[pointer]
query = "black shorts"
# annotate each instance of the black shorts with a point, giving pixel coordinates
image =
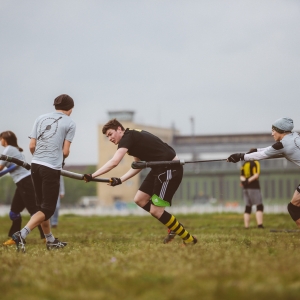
(163, 182)
(24, 197)
(46, 186)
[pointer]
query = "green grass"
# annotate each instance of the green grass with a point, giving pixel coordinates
(124, 258)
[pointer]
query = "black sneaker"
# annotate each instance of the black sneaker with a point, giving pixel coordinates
(191, 243)
(260, 226)
(20, 242)
(56, 244)
(170, 236)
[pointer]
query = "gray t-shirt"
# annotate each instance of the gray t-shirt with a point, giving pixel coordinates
(289, 147)
(20, 172)
(50, 131)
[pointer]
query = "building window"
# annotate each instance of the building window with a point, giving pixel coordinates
(288, 188)
(280, 186)
(235, 190)
(196, 188)
(205, 187)
(273, 191)
(213, 194)
(266, 188)
(188, 192)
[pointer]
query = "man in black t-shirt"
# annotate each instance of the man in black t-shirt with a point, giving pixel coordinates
(159, 186)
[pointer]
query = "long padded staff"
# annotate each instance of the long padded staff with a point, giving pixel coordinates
(80, 176)
(62, 172)
(150, 164)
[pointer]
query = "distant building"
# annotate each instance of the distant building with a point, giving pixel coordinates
(220, 180)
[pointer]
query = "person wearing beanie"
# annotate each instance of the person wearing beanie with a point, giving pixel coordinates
(287, 144)
(50, 141)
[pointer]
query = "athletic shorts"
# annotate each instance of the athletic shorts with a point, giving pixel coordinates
(162, 182)
(252, 197)
(24, 197)
(46, 186)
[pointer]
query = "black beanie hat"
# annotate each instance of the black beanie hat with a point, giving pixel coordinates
(63, 102)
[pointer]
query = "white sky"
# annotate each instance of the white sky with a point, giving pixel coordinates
(232, 65)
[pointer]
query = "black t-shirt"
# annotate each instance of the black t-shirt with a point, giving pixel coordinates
(146, 146)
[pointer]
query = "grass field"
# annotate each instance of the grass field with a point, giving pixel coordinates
(124, 258)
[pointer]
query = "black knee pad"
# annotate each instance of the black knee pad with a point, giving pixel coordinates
(48, 213)
(260, 207)
(248, 209)
(294, 211)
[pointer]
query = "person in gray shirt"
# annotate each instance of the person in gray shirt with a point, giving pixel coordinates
(50, 142)
(24, 196)
(288, 145)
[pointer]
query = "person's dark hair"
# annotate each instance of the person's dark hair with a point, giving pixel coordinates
(278, 130)
(63, 102)
(112, 124)
(10, 138)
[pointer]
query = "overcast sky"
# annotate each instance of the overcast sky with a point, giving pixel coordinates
(232, 65)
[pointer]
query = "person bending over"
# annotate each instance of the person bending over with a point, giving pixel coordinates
(159, 186)
(287, 144)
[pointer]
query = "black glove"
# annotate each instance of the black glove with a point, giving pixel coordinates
(236, 157)
(115, 181)
(87, 177)
(245, 183)
(252, 150)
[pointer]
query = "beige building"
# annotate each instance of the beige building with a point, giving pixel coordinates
(108, 195)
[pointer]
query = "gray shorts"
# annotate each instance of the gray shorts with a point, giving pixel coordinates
(252, 197)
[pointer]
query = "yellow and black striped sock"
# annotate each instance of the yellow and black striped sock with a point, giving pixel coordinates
(171, 222)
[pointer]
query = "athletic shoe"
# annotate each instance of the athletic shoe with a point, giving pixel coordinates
(56, 244)
(9, 242)
(20, 242)
(260, 226)
(191, 243)
(169, 238)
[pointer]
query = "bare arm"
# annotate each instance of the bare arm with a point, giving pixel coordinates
(66, 148)
(250, 179)
(131, 172)
(32, 145)
(112, 163)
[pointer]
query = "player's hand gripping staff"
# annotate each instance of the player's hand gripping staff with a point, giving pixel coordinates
(236, 157)
(113, 181)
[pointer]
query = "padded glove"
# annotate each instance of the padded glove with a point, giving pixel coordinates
(87, 177)
(115, 181)
(236, 157)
